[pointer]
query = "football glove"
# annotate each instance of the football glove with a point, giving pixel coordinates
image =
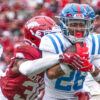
(82, 51)
(71, 59)
(86, 66)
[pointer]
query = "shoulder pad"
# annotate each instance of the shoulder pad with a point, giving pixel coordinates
(52, 43)
(27, 52)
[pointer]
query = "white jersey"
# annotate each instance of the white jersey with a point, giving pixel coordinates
(67, 85)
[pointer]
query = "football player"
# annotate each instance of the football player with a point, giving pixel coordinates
(75, 24)
(23, 80)
(20, 82)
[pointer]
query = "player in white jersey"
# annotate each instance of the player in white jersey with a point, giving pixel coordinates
(75, 24)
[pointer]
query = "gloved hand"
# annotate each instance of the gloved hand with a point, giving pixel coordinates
(72, 59)
(82, 50)
(82, 95)
(87, 66)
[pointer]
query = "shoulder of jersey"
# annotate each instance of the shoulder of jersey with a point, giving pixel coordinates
(27, 51)
(1, 50)
(52, 43)
(94, 44)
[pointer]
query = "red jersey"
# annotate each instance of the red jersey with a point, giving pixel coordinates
(16, 86)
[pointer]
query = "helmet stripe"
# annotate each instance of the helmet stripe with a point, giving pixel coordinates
(84, 5)
(78, 8)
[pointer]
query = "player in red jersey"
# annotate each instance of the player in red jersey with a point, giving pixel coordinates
(22, 80)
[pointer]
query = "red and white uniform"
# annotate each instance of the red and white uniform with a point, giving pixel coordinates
(16, 86)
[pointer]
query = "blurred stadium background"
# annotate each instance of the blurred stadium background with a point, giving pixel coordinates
(14, 14)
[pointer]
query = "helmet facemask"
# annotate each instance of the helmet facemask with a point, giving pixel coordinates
(75, 29)
(35, 38)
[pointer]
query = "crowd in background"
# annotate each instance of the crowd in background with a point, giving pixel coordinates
(14, 14)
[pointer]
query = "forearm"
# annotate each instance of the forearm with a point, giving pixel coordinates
(58, 71)
(96, 73)
(55, 72)
(39, 65)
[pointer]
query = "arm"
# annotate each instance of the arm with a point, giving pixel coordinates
(96, 73)
(27, 67)
(57, 70)
(39, 65)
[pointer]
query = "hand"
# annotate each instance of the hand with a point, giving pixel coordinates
(41, 94)
(72, 59)
(77, 62)
(82, 95)
(82, 51)
(86, 66)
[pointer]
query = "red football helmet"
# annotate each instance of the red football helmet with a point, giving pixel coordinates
(37, 27)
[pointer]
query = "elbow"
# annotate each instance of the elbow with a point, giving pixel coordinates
(23, 70)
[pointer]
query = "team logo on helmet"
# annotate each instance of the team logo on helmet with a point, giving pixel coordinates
(32, 25)
(78, 16)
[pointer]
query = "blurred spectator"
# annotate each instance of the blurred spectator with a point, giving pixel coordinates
(45, 11)
(97, 25)
(53, 6)
(64, 2)
(96, 6)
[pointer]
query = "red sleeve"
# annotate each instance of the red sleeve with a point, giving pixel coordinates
(27, 51)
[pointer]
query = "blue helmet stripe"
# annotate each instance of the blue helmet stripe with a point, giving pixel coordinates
(93, 44)
(61, 44)
(54, 43)
(98, 44)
